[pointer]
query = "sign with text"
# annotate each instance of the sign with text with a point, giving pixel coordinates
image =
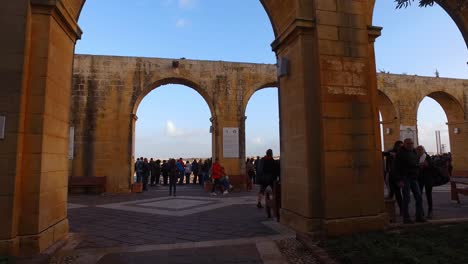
(231, 142)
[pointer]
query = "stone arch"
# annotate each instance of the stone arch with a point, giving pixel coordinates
(386, 107)
(252, 92)
(173, 80)
(451, 105)
(390, 119)
(456, 120)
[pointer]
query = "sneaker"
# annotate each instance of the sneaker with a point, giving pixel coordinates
(259, 205)
(213, 194)
(225, 192)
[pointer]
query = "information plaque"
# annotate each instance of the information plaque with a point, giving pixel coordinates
(231, 142)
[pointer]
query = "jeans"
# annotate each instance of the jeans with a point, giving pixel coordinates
(395, 190)
(145, 181)
(217, 182)
(411, 184)
(201, 178)
(139, 176)
(424, 184)
(187, 178)
(181, 177)
(172, 185)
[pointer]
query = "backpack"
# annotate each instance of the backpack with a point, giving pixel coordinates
(440, 175)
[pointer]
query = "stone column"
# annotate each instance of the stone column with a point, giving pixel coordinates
(232, 165)
(458, 134)
(16, 26)
(330, 158)
(43, 172)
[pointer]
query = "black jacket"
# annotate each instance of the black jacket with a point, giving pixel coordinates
(406, 164)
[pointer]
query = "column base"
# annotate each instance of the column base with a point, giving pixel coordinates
(333, 227)
(35, 244)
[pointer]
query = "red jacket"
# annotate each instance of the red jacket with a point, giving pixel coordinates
(216, 171)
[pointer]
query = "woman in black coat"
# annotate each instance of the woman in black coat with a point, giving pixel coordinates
(425, 177)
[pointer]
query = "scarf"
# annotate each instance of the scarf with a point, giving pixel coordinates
(422, 158)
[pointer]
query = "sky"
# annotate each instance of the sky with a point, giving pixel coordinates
(414, 41)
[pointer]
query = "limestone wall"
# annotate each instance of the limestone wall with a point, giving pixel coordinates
(107, 91)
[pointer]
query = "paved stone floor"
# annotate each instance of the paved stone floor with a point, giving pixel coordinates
(153, 227)
(193, 227)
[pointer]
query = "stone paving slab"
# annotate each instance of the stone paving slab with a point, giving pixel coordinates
(104, 227)
(241, 254)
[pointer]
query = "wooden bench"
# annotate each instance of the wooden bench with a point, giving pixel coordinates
(458, 184)
(86, 182)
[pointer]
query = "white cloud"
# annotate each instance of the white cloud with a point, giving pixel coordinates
(258, 141)
(171, 130)
(187, 4)
(180, 23)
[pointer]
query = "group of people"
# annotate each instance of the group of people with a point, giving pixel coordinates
(150, 171)
(262, 171)
(411, 170)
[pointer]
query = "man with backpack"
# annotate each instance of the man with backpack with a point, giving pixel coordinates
(267, 174)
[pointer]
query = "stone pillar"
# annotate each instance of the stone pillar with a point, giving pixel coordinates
(16, 25)
(232, 165)
(458, 134)
(330, 156)
(42, 174)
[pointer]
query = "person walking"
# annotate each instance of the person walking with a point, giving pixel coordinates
(195, 171)
(165, 171)
(216, 174)
(146, 173)
(173, 173)
(407, 165)
(187, 172)
(390, 170)
(180, 168)
(425, 177)
(268, 172)
(250, 168)
(139, 170)
(152, 172)
(157, 172)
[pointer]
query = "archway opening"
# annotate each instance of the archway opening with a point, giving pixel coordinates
(173, 122)
(432, 127)
(262, 123)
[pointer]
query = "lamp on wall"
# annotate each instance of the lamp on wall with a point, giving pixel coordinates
(388, 131)
(456, 130)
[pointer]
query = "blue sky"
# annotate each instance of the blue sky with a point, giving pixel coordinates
(414, 41)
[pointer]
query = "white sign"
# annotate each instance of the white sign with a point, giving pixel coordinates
(231, 142)
(408, 132)
(71, 143)
(2, 127)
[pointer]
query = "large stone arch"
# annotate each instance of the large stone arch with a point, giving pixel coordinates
(174, 80)
(455, 113)
(390, 120)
